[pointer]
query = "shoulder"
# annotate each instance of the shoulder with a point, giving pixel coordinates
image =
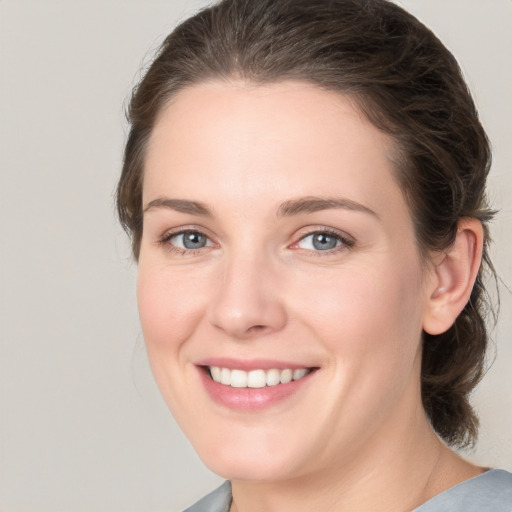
(491, 490)
(217, 501)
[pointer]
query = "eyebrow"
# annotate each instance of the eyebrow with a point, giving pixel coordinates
(289, 208)
(179, 205)
(315, 204)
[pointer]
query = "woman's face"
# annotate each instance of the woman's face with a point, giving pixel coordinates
(278, 246)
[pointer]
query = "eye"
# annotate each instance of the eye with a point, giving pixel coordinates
(322, 241)
(189, 240)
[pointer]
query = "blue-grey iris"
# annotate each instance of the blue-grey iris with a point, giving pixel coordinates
(323, 242)
(194, 240)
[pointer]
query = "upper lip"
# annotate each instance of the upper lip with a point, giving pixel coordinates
(251, 364)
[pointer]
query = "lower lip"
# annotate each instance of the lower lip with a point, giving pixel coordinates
(250, 399)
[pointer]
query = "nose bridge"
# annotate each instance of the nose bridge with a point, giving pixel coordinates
(248, 299)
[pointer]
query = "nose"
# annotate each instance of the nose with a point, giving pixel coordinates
(248, 302)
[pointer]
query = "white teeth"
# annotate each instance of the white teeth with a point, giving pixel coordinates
(225, 376)
(273, 377)
(286, 376)
(255, 378)
(298, 374)
(216, 373)
(238, 379)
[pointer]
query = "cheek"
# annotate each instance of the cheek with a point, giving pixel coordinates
(369, 322)
(368, 316)
(170, 307)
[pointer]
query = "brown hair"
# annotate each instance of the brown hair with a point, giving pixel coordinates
(408, 85)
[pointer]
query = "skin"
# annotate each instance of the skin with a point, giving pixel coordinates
(355, 436)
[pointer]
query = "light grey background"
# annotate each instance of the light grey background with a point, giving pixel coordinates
(82, 426)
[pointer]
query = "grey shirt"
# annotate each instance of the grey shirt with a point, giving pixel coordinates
(488, 492)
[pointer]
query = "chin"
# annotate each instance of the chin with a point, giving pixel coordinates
(251, 460)
(262, 469)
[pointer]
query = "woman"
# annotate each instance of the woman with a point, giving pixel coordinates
(304, 184)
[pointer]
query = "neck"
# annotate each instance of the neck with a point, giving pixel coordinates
(393, 472)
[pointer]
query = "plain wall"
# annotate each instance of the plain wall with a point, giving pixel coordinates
(82, 426)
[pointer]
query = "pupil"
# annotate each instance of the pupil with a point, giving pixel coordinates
(324, 242)
(194, 240)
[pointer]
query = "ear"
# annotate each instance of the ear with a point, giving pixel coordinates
(453, 277)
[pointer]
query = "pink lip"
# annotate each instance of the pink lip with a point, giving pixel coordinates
(248, 365)
(250, 399)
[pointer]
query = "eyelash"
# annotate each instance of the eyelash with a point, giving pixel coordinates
(164, 241)
(345, 242)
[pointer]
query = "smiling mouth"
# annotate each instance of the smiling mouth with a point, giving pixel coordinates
(255, 378)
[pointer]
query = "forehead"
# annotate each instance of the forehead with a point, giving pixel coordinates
(242, 140)
(240, 108)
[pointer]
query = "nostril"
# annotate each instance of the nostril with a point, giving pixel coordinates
(256, 328)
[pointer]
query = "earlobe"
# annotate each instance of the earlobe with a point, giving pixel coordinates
(454, 275)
